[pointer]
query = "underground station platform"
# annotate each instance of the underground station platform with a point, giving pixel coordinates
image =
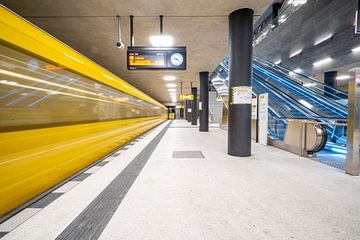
(178, 183)
(164, 119)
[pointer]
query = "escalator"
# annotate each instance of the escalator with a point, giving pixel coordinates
(295, 96)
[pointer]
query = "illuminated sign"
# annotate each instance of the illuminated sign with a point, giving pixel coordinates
(186, 97)
(149, 58)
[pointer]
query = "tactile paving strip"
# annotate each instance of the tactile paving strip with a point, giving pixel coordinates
(52, 196)
(93, 219)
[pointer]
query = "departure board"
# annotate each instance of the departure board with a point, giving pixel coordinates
(149, 58)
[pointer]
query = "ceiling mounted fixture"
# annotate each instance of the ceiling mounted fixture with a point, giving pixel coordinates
(169, 78)
(297, 2)
(278, 62)
(298, 70)
(322, 62)
(119, 43)
(297, 52)
(161, 40)
(355, 50)
(309, 84)
(343, 77)
(172, 90)
(323, 39)
(171, 85)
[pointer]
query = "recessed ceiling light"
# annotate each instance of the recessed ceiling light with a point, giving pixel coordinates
(170, 85)
(172, 90)
(298, 70)
(161, 40)
(357, 49)
(309, 84)
(322, 61)
(278, 62)
(297, 52)
(169, 78)
(323, 39)
(342, 77)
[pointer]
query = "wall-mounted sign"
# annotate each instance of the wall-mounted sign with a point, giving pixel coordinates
(184, 97)
(254, 109)
(150, 58)
(241, 95)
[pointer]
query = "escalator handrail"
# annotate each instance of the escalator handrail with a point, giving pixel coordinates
(299, 74)
(276, 91)
(323, 100)
(289, 78)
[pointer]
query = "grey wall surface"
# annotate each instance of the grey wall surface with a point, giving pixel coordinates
(316, 19)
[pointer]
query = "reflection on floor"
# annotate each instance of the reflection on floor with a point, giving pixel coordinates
(332, 159)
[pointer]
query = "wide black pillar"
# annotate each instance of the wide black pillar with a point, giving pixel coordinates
(189, 110)
(194, 107)
(204, 101)
(330, 80)
(181, 111)
(240, 74)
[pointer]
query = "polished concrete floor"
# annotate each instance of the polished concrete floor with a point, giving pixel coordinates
(203, 193)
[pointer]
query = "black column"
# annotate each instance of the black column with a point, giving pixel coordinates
(189, 113)
(240, 74)
(204, 101)
(181, 111)
(186, 109)
(330, 80)
(194, 107)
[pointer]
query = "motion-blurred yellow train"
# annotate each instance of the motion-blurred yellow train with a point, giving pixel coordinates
(59, 111)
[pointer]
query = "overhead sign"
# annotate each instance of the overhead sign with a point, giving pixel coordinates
(186, 97)
(150, 58)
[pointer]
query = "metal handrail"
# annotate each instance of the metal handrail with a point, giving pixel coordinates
(271, 64)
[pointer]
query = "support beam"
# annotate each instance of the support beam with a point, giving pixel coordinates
(353, 129)
(189, 113)
(240, 75)
(204, 102)
(194, 107)
(186, 110)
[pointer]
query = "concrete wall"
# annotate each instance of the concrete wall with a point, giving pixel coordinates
(315, 20)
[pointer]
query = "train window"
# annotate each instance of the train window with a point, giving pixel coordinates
(36, 93)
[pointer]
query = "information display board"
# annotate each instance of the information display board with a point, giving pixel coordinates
(241, 95)
(254, 109)
(263, 117)
(149, 58)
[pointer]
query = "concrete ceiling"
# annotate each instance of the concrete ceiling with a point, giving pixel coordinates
(90, 27)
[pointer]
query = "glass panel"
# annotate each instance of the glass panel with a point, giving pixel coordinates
(36, 93)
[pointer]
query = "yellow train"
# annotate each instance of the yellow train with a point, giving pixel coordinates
(59, 111)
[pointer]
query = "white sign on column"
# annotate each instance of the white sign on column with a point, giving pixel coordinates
(254, 109)
(263, 118)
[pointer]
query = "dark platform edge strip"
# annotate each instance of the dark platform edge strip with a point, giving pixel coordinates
(92, 221)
